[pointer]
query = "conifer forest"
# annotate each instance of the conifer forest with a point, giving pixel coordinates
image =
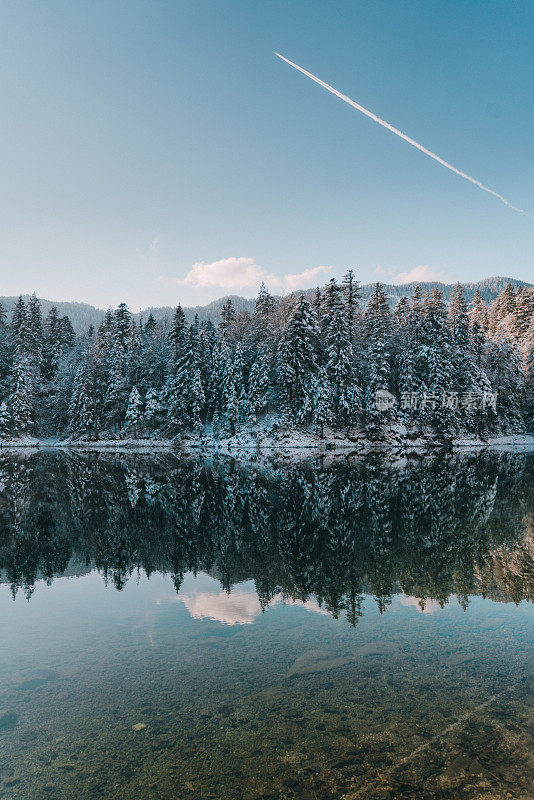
(446, 369)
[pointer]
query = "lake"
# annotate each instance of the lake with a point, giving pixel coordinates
(175, 627)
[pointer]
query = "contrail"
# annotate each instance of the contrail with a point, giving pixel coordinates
(406, 138)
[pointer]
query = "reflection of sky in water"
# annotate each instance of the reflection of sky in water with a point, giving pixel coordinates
(212, 664)
(204, 599)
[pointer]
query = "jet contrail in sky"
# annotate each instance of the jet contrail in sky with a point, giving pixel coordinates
(406, 138)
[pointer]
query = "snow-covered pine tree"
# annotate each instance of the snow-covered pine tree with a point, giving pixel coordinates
(233, 396)
(258, 386)
(317, 403)
(468, 376)
(524, 316)
(529, 382)
(506, 376)
(207, 343)
(402, 314)
(67, 334)
(227, 319)
(435, 359)
(416, 319)
(19, 326)
(116, 393)
(177, 337)
(351, 297)
(330, 298)
(231, 413)
(152, 408)
(5, 420)
(458, 317)
(265, 304)
(34, 319)
(122, 328)
(298, 357)
(197, 400)
(52, 344)
(478, 325)
(502, 307)
(5, 352)
(478, 312)
(339, 372)
(22, 400)
(82, 409)
(148, 360)
(378, 376)
(185, 390)
(134, 410)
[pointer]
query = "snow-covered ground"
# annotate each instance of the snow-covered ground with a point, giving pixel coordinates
(280, 440)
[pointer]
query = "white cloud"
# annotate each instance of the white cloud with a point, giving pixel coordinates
(421, 273)
(239, 607)
(298, 280)
(241, 273)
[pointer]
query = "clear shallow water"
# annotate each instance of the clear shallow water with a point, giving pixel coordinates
(319, 631)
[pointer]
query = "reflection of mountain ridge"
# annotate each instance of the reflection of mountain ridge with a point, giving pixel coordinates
(434, 528)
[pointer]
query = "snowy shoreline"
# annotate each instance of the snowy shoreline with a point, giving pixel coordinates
(291, 442)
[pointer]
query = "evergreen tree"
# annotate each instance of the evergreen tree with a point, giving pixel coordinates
(478, 312)
(298, 357)
(34, 341)
(458, 317)
(82, 414)
(5, 420)
(177, 336)
(502, 307)
(524, 312)
(339, 363)
(378, 357)
(22, 398)
(227, 318)
(258, 387)
(134, 410)
(67, 335)
(116, 394)
(122, 328)
(352, 294)
(478, 325)
(19, 326)
(265, 303)
(435, 359)
(5, 352)
(53, 344)
(152, 407)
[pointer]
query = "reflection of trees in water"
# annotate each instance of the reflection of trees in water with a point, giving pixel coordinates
(433, 528)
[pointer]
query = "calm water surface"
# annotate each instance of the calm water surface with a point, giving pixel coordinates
(174, 628)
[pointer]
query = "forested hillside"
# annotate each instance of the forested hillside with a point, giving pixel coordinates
(82, 315)
(461, 368)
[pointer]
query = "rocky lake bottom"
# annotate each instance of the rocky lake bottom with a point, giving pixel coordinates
(178, 627)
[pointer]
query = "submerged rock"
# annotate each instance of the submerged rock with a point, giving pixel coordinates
(376, 649)
(316, 661)
(139, 726)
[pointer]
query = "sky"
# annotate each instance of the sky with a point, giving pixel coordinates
(157, 152)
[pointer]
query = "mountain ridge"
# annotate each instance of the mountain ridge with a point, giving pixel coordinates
(82, 315)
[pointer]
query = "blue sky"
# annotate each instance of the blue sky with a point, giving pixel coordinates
(157, 152)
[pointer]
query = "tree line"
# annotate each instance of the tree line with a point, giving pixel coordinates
(444, 369)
